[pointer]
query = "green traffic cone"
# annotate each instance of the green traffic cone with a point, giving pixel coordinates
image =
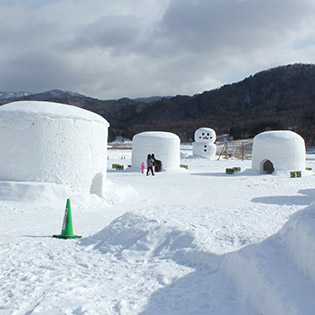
(67, 229)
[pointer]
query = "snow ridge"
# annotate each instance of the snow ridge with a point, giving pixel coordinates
(281, 269)
(135, 234)
(276, 276)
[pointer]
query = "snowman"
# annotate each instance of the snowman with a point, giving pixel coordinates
(204, 143)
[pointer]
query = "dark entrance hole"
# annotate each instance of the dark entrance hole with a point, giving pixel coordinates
(268, 167)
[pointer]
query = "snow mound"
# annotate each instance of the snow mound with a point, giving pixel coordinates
(276, 276)
(299, 240)
(119, 193)
(281, 269)
(133, 235)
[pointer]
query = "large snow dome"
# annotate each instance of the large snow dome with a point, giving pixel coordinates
(164, 145)
(278, 150)
(51, 142)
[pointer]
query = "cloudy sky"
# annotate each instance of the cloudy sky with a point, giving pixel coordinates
(133, 48)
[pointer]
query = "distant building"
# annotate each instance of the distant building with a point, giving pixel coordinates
(56, 143)
(164, 145)
(278, 150)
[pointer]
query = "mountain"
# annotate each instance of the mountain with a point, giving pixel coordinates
(278, 98)
(6, 97)
(56, 94)
(10, 95)
(150, 99)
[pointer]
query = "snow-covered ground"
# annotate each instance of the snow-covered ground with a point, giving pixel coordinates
(194, 241)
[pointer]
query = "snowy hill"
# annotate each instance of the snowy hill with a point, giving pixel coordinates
(194, 241)
(6, 97)
(55, 94)
(9, 95)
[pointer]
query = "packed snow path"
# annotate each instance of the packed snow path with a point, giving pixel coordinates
(185, 242)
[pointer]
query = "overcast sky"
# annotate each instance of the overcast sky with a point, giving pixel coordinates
(133, 48)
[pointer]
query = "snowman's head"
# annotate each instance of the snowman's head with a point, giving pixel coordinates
(205, 135)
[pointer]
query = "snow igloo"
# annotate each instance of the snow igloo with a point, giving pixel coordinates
(164, 145)
(280, 150)
(52, 142)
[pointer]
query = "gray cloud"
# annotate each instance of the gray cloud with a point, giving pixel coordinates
(118, 32)
(158, 47)
(211, 24)
(38, 71)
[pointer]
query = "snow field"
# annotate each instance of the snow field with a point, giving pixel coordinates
(193, 241)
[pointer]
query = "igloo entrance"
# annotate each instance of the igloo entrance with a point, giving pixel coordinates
(267, 167)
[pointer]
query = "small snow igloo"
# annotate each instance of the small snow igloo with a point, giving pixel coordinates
(280, 150)
(52, 142)
(164, 145)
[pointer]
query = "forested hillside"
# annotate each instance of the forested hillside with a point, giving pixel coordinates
(278, 98)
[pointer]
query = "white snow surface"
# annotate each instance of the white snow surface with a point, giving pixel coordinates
(194, 241)
(50, 110)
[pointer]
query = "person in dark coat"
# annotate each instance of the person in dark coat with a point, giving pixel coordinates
(150, 165)
(157, 164)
